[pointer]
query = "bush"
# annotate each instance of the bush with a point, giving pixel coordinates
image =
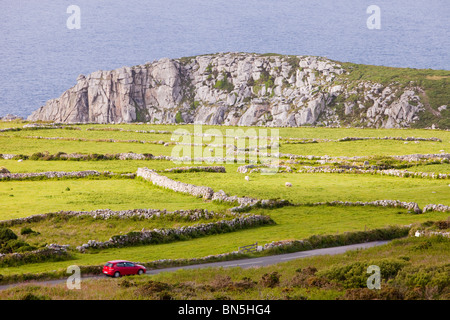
(6, 235)
(154, 289)
(442, 225)
(270, 280)
(16, 245)
(386, 293)
(224, 84)
(179, 117)
(27, 230)
(354, 275)
(31, 296)
(36, 156)
(422, 277)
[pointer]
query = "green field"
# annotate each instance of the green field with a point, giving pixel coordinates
(320, 187)
(25, 198)
(36, 196)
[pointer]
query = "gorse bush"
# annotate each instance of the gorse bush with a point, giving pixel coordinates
(354, 275)
(270, 280)
(16, 246)
(6, 234)
(27, 230)
(423, 276)
(10, 243)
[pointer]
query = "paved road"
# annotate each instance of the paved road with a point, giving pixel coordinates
(243, 263)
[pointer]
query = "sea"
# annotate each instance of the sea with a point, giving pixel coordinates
(46, 44)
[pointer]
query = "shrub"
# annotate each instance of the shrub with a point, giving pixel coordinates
(221, 282)
(386, 293)
(224, 84)
(27, 230)
(16, 245)
(179, 117)
(244, 284)
(152, 288)
(36, 156)
(31, 296)
(6, 235)
(422, 277)
(354, 275)
(442, 225)
(270, 280)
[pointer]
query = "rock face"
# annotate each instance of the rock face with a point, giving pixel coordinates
(233, 89)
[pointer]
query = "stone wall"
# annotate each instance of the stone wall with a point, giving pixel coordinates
(389, 172)
(50, 252)
(105, 214)
(49, 175)
(377, 203)
(217, 169)
(177, 186)
(436, 207)
(167, 235)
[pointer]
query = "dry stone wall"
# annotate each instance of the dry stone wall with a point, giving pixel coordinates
(105, 214)
(166, 235)
(49, 175)
(177, 186)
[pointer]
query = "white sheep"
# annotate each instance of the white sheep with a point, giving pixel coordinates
(247, 178)
(288, 184)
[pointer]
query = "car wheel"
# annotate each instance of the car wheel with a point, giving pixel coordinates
(140, 272)
(116, 274)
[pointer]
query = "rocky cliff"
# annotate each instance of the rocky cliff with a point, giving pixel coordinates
(235, 89)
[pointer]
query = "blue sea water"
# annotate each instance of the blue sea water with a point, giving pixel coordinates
(41, 58)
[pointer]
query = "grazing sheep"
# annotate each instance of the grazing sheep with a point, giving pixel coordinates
(288, 184)
(247, 178)
(211, 150)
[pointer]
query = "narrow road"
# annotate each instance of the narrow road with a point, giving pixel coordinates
(243, 263)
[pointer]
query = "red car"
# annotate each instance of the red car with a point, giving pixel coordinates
(117, 268)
